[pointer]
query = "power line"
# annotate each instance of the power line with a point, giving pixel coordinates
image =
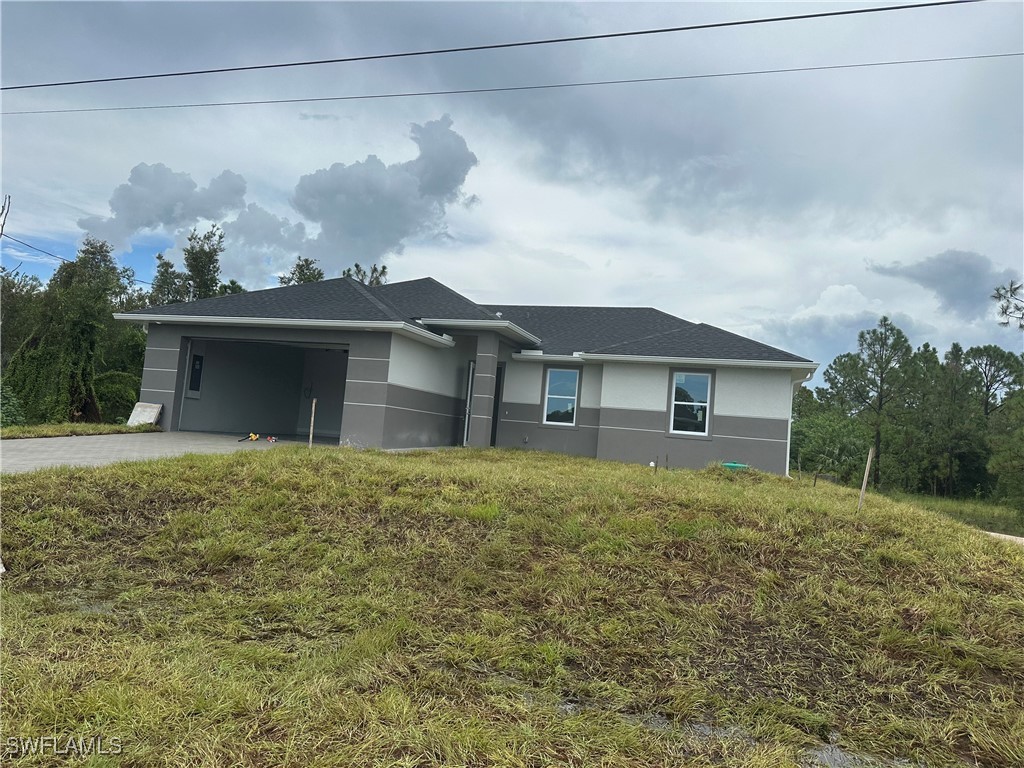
(511, 88)
(34, 248)
(495, 46)
(54, 255)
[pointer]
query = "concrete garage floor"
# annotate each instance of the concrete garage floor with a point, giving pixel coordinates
(95, 450)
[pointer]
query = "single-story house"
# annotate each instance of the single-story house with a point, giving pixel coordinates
(415, 364)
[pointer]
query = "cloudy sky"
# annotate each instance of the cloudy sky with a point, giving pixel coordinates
(795, 208)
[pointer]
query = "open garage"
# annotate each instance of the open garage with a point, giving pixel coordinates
(264, 387)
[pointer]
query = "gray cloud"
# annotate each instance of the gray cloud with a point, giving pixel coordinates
(962, 280)
(156, 197)
(365, 210)
(822, 337)
(368, 209)
(259, 244)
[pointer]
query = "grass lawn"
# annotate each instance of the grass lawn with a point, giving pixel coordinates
(475, 608)
(69, 429)
(981, 514)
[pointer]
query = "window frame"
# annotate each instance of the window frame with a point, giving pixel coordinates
(545, 395)
(672, 402)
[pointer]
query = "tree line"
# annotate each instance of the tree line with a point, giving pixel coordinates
(947, 425)
(64, 358)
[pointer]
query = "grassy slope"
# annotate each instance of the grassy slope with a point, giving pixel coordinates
(987, 515)
(68, 430)
(499, 608)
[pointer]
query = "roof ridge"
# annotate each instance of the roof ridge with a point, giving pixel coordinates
(380, 303)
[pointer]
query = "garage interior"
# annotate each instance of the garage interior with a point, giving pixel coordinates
(268, 388)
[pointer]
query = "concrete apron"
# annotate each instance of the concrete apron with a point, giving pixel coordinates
(96, 450)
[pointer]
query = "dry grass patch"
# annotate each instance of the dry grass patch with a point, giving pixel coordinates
(328, 607)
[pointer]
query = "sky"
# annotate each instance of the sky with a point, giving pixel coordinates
(795, 208)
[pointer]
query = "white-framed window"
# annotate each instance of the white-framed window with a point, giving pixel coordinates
(691, 396)
(560, 394)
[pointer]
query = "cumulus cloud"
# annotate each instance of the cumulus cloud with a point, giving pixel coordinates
(368, 209)
(364, 210)
(830, 325)
(260, 244)
(962, 280)
(158, 198)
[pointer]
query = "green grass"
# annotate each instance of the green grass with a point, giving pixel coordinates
(476, 608)
(986, 515)
(69, 429)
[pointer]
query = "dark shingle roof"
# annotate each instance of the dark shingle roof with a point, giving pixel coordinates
(641, 331)
(700, 341)
(428, 298)
(565, 330)
(338, 299)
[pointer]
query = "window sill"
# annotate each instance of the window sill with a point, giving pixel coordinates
(689, 435)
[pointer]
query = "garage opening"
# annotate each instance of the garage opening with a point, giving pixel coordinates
(268, 388)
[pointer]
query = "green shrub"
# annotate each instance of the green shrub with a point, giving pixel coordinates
(11, 413)
(117, 393)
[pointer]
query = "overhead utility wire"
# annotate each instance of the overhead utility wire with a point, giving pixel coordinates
(54, 255)
(506, 89)
(29, 245)
(495, 46)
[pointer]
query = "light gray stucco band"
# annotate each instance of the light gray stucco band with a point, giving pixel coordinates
(161, 358)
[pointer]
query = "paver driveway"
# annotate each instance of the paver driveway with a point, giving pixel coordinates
(93, 450)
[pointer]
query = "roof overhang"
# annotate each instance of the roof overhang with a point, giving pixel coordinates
(391, 326)
(706, 362)
(504, 327)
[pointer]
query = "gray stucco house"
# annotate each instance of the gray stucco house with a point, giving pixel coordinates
(415, 364)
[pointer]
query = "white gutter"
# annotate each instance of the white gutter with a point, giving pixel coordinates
(394, 326)
(506, 326)
(706, 362)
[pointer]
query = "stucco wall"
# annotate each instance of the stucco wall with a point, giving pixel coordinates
(428, 369)
(623, 414)
(524, 382)
(754, 392)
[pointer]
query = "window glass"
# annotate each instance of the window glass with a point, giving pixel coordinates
(195, 378)
(690, 402)
(560, 399)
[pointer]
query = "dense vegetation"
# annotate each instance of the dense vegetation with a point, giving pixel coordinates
(331, 607)
(950, 426)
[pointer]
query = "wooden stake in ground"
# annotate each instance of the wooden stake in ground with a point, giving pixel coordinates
(312, 417)
(867, 471)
